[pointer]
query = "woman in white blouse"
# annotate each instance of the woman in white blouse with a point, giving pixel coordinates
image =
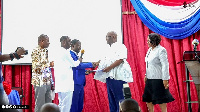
(157, 75)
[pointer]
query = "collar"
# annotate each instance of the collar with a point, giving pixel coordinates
(74, 52)
(113, 44)
(39, 47)
(156, 47)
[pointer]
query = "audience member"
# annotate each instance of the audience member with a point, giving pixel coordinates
(49, 107)
(129, 105)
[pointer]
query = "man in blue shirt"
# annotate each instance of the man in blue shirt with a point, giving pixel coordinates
(79, 73)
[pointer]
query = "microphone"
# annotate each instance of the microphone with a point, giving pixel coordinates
(82, 52)
(195, 42)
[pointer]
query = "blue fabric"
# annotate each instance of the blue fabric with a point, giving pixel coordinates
(77, 100)
(79, 83)
(115, 93)
(79, 71)
(14, 98)
(179, 30)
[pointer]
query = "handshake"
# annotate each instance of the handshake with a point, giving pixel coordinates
(95, 64)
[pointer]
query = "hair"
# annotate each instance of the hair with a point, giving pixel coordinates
(42, 37)
(49, 107)
(73, 42)
(113, 34)
(154, 39)
(63, 38)
(129, 105)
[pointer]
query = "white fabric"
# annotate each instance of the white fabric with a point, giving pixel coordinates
(157, 65)
(52, 94)
(171, 13)
(122, 72)
(65, 101)
(63, 73)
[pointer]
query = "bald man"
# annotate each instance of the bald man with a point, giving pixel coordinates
(50, 107)
(129, 105)
(116, 70)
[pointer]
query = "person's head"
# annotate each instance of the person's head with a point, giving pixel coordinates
(111, 37)
(65, 42)
(49, 107)
(129, 105)
(76, 45)
(153, 40)
(43, 41)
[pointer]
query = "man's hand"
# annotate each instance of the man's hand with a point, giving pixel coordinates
(145, 79)
(20, 51)
(52, 87)
(88, 72)
(80, 59)
(166, 84)
(95, 64)
(52, 64)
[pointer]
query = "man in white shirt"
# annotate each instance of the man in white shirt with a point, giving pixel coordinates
(64, 84)
(114, 70)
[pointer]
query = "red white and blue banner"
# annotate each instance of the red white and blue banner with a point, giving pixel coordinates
(174, 19)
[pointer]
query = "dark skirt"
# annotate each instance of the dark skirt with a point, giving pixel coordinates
(156, 93)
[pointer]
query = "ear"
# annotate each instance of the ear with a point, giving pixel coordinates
(114, 37)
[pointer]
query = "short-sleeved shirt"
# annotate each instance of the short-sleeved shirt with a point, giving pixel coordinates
(113, 53)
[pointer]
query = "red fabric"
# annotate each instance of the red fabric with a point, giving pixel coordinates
(96, 98)
(7, 87)
(56, 101)
(20, 76)
(172, 2)
(135, 38)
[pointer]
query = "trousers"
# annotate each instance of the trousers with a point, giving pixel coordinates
(42, 96)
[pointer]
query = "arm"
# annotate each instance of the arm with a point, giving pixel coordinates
(120, 54)
(4, 57)
(35, 58)
(85, 65)
(116, 63)
(165, 67)
(71, 61)
(11, 56)
(165, 64)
